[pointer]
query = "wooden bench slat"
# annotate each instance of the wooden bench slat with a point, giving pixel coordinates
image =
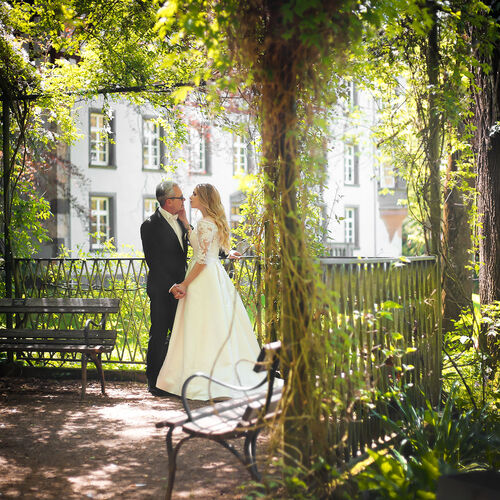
(52, 348)
(225, 421)
(178, 417)
(55, 345)
(59, 305)
(254, 409)
(22, 333)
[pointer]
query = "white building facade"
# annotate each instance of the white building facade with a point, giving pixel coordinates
(363, 195)
(120, 158)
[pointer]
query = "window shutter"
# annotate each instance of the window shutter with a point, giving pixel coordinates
(356, 165)
(356, 227)
(112, 218)
(163, 158)
(112, 140)
(354, 95)
(208, 153)
(250, 159)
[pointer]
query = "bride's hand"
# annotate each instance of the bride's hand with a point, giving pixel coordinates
(182, 289)
(181, 214)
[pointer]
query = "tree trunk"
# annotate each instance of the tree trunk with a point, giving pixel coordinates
(285, 238)
(488, 187)
(457, 241)
(487, 150)
(434, 134)
(271, 260)
(7, 243)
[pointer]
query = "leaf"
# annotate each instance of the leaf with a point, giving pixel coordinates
(179, 95)
(390, 304)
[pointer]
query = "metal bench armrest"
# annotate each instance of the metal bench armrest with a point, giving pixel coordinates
(101, 324)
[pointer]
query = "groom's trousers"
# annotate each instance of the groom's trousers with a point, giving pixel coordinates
(163, 309)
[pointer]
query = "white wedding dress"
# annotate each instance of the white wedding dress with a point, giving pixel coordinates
(212, 332)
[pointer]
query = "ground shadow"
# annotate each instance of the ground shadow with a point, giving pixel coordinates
(55, 446)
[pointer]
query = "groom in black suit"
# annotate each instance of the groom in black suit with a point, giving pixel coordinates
(164, 242)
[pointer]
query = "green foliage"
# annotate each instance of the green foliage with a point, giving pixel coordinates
(393, 476)
(28, 214)
(466, 362)
(430, 442)
(395, 66)
(56, 51)
(299, 483)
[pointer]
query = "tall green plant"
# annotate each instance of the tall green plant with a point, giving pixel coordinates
(429, 442)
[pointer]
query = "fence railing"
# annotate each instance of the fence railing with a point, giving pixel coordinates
(390, 310)
(383, 306)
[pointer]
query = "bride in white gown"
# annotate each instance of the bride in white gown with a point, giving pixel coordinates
(212, 332)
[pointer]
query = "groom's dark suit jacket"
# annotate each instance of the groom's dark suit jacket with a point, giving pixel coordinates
(166, 261)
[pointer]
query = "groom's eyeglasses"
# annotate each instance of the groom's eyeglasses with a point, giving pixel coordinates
(176, 198)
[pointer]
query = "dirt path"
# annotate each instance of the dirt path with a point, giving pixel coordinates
(54, 446)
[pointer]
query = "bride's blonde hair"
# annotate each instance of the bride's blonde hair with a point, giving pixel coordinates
(209, 197)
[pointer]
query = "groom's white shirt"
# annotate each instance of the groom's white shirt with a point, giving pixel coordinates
(172, 220)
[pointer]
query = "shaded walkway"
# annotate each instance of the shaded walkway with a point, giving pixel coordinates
(54, 446)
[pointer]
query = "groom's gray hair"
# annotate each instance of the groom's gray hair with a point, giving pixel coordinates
(164, 190)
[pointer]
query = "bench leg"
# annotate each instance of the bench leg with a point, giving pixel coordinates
(172, 461)
(96, 358)
(84, 375)
(249, 449)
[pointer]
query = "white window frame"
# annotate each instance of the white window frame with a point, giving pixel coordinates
(151, 150)
(240, 154)
(350, 225)
(99, 139)
(387, 175)
(103, 228)
(349, 165)
(149, 206)
(198, 144)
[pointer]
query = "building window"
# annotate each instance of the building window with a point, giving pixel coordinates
(387, 177)
(149, 206)
(236, 200)
(351, 162)
(351, 225)
(150, 144)
(240, 155)
(350, 100)
(198, 151)
(100, 144)
(100, 221)
(235, 216)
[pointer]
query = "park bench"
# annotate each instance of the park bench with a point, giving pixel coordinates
(90, 343)
(222, 421)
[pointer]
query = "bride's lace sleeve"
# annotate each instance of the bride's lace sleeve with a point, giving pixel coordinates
(207, 232)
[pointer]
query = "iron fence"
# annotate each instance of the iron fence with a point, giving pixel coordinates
(385, 327)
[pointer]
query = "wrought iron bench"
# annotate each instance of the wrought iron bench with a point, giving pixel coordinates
(242, 417)
(90, 343)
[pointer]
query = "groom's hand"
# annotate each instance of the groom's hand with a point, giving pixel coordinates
(177, 292)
